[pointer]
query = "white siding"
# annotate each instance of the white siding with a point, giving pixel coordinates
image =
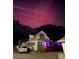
(35, 46)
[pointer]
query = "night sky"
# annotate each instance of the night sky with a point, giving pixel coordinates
(35, 13)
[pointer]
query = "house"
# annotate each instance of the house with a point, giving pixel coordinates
(62, 41)
(39, 42)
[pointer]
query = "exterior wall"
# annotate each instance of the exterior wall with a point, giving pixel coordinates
(35, 45)
(38, 47)
(63, 44)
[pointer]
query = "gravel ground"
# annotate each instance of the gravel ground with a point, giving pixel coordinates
(41, 55)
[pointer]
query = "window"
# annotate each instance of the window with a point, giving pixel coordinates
(33, 43)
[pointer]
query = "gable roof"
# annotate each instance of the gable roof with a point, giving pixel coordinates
(37, 35)
(62, 40)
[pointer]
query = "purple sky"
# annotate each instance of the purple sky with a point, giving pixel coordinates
(35, 13)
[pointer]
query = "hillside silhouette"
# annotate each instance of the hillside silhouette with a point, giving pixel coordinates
(54, 32)
(21, 32)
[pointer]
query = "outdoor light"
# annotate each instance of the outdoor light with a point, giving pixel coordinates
(58, 43)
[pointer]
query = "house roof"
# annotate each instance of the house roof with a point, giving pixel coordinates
(37, 34)
(62, 40)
